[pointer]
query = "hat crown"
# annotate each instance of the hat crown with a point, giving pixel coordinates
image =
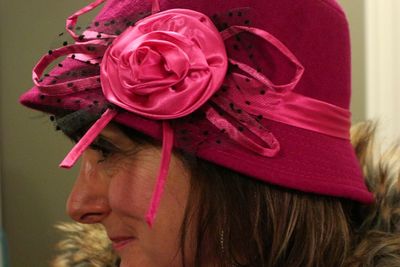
(317, 33)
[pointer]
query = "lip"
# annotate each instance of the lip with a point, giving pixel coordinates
(120, 242)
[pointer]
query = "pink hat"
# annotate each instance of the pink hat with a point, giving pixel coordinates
(261, 87)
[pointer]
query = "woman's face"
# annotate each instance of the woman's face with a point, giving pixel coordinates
(115, 189)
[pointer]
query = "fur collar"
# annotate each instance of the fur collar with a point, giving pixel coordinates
(84, 246)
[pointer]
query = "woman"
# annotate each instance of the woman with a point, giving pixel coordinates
(236, 113)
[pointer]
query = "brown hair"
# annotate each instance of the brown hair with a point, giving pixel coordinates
(251, 223)
(264, 225)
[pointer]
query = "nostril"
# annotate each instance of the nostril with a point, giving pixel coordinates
(92, 217)
(86, 210)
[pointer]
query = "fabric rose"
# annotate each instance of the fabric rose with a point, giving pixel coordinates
(166, 65)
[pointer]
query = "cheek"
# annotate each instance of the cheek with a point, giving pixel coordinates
(131, 189)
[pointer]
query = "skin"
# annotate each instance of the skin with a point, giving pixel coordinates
(116, 191)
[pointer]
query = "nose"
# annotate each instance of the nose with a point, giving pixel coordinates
(88, 200)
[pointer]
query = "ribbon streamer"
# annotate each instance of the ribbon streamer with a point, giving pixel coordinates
(168, 141)
(88, 138)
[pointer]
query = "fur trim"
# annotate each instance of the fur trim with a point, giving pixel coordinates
(377, 242)
(84, 246)
(382, 174)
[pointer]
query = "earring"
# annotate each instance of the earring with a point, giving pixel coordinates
(221, 241)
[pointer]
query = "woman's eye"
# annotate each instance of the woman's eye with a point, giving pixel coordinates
(104, 148)
(105, 153)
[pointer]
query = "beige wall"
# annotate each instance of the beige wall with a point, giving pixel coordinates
(34, 189)
(355, 10)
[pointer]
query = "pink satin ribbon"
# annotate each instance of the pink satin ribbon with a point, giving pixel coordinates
(234, 30)
(64, 88)
(168, 141)
(279, 103)
(271, 148)
(72, 20)
(88, 138)
(155, 7)
(296, 110)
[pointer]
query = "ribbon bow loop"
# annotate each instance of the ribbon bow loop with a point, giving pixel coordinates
(242, 97)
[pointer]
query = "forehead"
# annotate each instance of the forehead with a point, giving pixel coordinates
(112, 131)
(114, 134)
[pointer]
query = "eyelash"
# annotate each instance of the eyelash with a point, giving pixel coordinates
(105, 151)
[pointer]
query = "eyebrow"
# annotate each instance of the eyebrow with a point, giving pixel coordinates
(100, 142)
(74, 126)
